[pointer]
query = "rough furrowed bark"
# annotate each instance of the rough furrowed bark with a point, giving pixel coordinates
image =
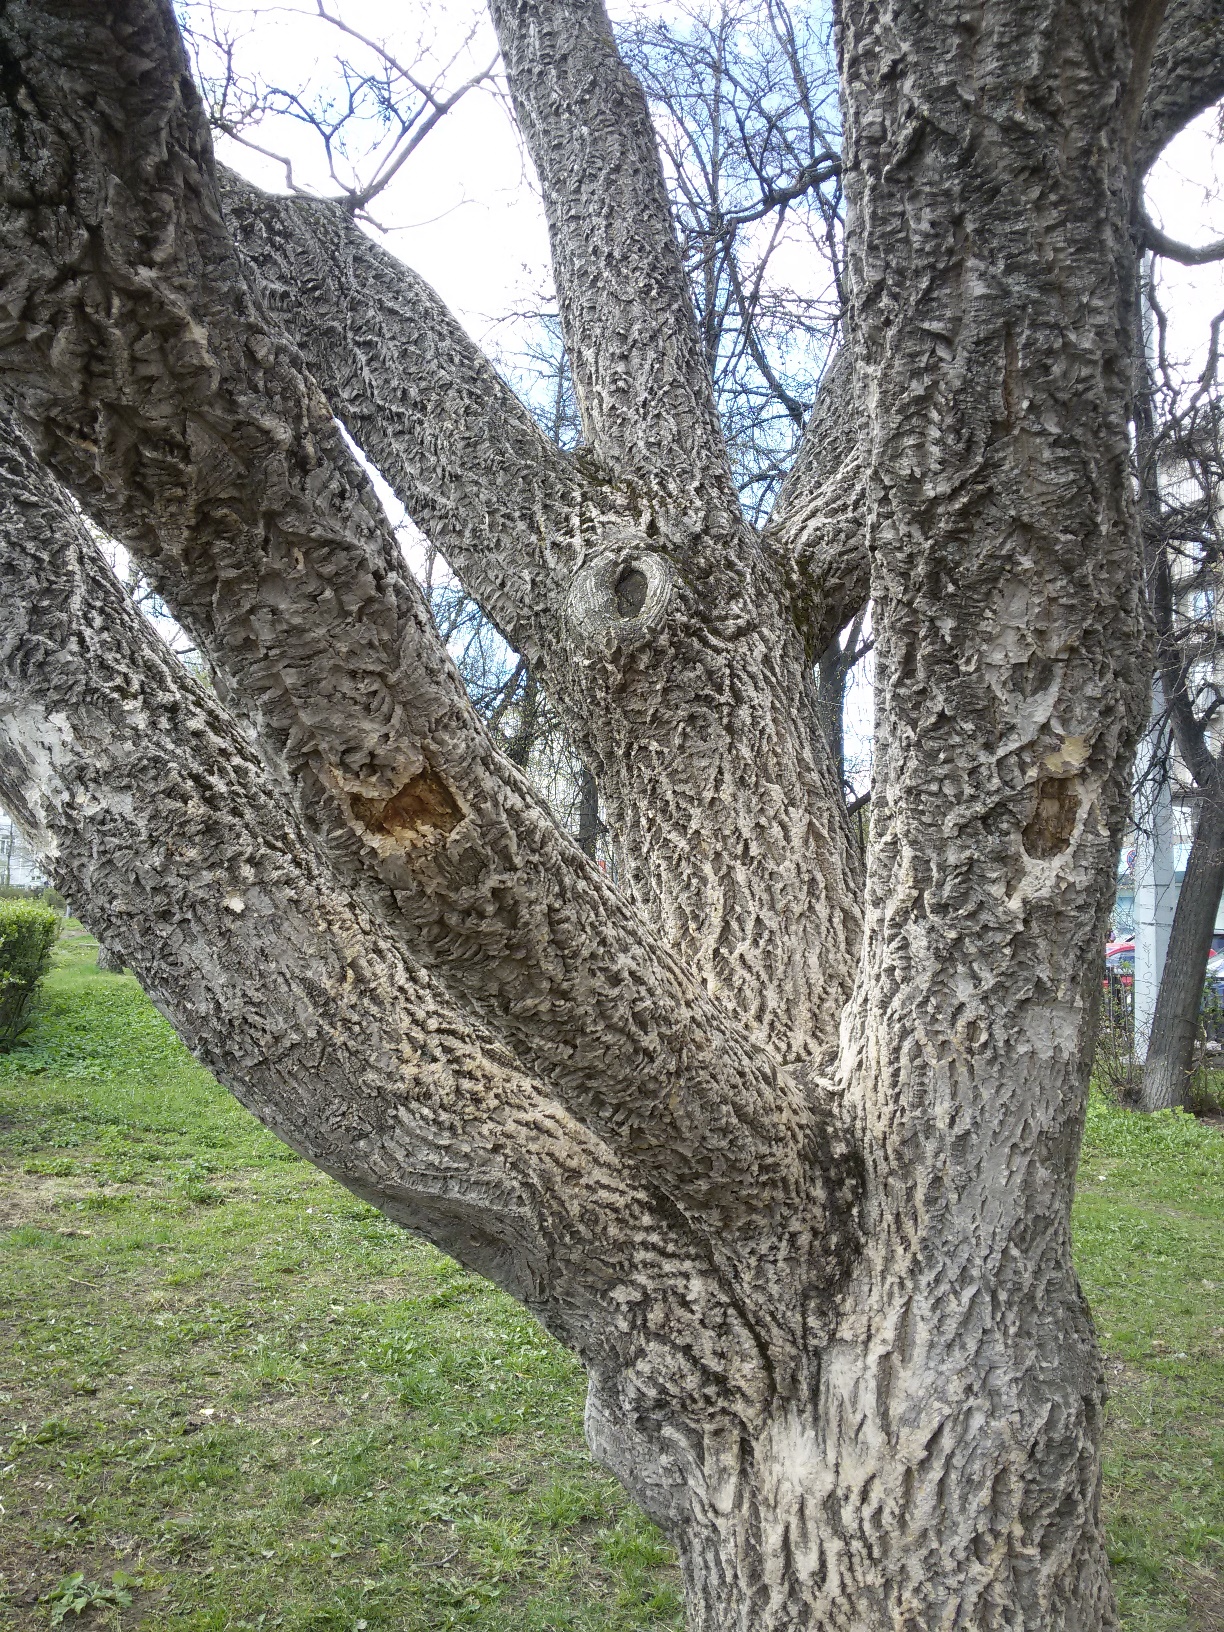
(161, 395)
(721, 790)
(684, 679)
(991, 276)
(152, 808)
(669, 653)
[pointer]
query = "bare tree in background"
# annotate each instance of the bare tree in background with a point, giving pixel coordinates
(1180, 446)
(791, 1171)
(744, 96)
(369, 109)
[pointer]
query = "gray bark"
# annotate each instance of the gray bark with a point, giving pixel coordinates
(826, 1300)
(1186, 76)
(108, 962)
(1006, 590)
(643, 386)
(297, 1000)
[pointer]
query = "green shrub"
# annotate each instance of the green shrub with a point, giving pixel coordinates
(28, 933)
(43, 893)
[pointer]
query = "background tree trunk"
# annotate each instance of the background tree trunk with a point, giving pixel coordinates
(1169, 1060)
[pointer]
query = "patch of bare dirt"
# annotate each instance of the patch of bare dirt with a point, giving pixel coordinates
(387, 1291)
(295, 1413)
(32, 1198)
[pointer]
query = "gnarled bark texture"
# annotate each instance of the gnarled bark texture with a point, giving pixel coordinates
(791, 1173)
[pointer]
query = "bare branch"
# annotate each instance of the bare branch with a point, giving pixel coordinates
(383, 99)
(95, 706)
(741, 102)
(1184, 254)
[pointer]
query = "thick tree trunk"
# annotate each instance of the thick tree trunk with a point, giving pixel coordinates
(961, 1399)
(835, 1340)
(1169, 1060)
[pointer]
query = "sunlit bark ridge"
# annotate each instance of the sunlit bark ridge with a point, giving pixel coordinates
(791, 1172)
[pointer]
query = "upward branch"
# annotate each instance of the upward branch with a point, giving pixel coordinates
(817, 530)
(643, 386)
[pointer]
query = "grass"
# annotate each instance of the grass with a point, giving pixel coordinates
(236, 1397)
(1149, 1231)
(229, 1380)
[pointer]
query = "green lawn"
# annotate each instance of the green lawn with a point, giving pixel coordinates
(263, 1406)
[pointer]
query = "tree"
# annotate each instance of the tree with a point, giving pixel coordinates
(802, 1209)
(1182, 470)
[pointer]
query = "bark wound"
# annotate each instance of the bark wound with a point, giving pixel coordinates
(423, 807)
(1052, 823)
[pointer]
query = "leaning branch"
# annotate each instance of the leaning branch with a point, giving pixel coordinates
(159, 393)
(204, 880)
(155, 812)
(461, 453)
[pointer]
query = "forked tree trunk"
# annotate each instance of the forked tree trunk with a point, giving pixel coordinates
(808, 1229)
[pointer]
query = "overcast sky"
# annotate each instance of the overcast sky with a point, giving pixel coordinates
(464, 210)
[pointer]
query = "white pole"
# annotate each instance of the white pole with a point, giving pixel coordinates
(1155, 889)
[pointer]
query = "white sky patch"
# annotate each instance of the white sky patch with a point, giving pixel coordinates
(1185, 198)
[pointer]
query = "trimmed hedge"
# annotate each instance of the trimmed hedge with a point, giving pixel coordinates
(28, 933)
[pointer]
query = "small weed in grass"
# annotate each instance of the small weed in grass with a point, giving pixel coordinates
(74, 1595)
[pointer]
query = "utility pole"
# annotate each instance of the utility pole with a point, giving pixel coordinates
(1155, 887)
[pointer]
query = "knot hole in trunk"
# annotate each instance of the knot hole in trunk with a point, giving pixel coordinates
(630, 592)
(619, 597)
